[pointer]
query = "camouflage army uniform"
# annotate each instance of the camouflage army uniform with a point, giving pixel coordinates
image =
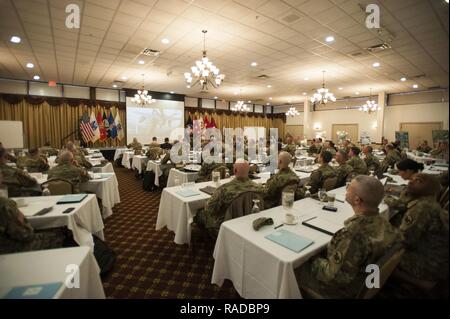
(343, 170)
(391, 159)
(82, 161)
(72, 173)
(314, 149)
(205, 173)
(397, 207)
(424, 149)
(16, 179)
(341, 273)
(212, 216)
(425, 231)
(319, 176)
(275, 184)
(136, 147)
(359, 166)
(49, 150)
(332, 150)
(290, 148)
(35, 164)
(372, 163)
(154, 153)
(16, 236)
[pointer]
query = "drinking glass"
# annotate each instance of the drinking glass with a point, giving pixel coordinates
(307, 193)
(331, 198)
(216, 177)
(287, 199)
(322, 194)
(255, 208)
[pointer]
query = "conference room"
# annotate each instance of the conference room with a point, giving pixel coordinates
(224, 149)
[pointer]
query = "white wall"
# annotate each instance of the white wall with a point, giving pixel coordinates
(295, 120)
(432, 112)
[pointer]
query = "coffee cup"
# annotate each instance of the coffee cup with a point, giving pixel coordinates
(289, 218)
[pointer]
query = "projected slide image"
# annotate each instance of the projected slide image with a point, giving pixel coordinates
(159, 119)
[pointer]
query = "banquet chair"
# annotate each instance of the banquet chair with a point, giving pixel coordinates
(330, 183)
(58, 186)
(443, 199)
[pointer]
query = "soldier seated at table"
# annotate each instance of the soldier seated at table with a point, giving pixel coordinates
(205, 173)
(212, 216)
(80, 160)
(356, 162)
(319, 176)
(154, 142)
(290, 146)
(135, 145)
(166, 145)
(366, 236)
(425, 228)
(343, 170)
(441, 152)
(9, 157)
(372, 162)
(154, 153)
(19, 183)
(34, 162)
(392, 157)
(48, 150)
(346, 145)
(277, 182)
(79, 149)
(68, 169)
(424, 147)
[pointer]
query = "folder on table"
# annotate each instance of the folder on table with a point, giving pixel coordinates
(289, 240)
(187, 192)
(44, 291)
(72, 199)
(208, 190)
(322, 225)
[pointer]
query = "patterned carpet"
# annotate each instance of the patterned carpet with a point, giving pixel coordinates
(149, 264)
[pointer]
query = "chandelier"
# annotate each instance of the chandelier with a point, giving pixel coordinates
(292, 112)
(370, 106)
(323, 96)
(240, 106)
(204, 72)
(142, 98)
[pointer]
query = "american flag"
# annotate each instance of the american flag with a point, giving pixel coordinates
(86, 129)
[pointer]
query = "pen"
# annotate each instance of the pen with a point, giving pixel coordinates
(338, 200)
(278, 226)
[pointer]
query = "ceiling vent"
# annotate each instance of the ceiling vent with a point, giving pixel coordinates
(358, 54)
(262, 77)
(378, 48)
(419, 76)
(290, 18)
(150, 52)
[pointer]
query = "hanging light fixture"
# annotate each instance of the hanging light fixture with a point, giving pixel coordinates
(204, 71)
(142, 98)
(240, 105)
(370, 106)
(323, 96)
(292, 112)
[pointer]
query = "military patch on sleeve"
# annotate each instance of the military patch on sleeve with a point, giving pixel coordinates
(337, 257)
(408, 220)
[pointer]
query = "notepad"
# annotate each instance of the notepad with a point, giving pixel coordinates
(322, 225)
(44, 291)
(289, 240)
(69, 199)
(187, 192)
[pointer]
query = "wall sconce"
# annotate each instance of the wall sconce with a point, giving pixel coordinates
(317, 126)
(375, 125)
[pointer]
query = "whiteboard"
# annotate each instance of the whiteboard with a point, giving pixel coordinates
(11, 134)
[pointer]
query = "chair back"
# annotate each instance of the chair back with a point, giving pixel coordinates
(58, 186)
(387, 264)
(243, 204)
(330, 183)
(443, 199)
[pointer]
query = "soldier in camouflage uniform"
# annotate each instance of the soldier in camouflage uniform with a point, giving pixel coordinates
(424, 147)
(9, 157)
(318, 176)
(441, 152)
(78, 155)
(19, 182)
(154, 153)
(212, 216)
(79, 149)
(392, 157)
(154, 142)
(47, 149)
(135, 145)
(346, 145)
(358, 164)
(425, 230)
(33, 161)
(372, 163)
(290, 147)
(366, 236)
(343, 170)
(205, 173)
(68, 170)
(277, 182)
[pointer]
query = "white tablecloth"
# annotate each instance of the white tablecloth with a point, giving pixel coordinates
(84, 221)
(155, 167)
(107, 189)
(49, 266)
(107, 168)
(118, 152)
(127, 156)
(240, 251)
(423, 159)
(183, 177)
(139, 162)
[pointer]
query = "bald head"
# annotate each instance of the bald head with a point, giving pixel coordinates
(241, 168)
(423, 185)
(66, 157)
(284, 158)
(341, 156)
(365, 194)
(70, 146)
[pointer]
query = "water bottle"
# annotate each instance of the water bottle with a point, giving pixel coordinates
(46, 192)
(255, 208)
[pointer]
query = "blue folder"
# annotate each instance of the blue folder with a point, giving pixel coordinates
(44, 291)
(70, 199)
(187, 192)
(289, 240)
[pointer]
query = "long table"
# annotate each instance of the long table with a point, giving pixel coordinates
(50, 266)
(240, 251)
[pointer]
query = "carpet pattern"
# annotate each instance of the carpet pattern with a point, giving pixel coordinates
(149, 264)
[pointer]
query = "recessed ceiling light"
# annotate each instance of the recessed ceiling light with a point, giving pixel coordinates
(415, 86)
(357, 93)
(304, 93)
(172, 92)
(249, 101)
(269, 86)
(165, 41)
(114, 85)
(340, 88)
(253, 64)
(306, 78)
(403, 79)
(267, 103)
(270, 98)
(124, 78)
(235, 93)
(329, 38)
(36, 77)
(215, 97)
(376, 64)
(188, 86)
(30, 65)
(15, 39)
(141, 62)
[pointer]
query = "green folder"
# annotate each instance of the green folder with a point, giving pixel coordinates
(71, 199)
(289, 240)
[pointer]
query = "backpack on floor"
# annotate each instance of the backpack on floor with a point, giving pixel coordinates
(119, 161)
(149, 181)
(105, 256)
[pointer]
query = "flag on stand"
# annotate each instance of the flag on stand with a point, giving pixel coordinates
(95, 128)
(112, 125)
(205, 121)
(101, 126)
(119, 128)
(212, 124)
(106, 125)
(85, 127)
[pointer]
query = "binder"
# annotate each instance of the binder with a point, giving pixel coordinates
(289, 240)
(44, 291)
(72, 199)
(187, 192)
(322, 225)
(208, 190)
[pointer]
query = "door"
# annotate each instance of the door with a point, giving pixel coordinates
(294, 130)
(419, 132)
(351, 129)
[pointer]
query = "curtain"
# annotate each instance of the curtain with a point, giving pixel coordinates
(44, 122)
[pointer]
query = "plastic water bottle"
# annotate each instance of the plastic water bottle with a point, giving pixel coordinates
(46, 192)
